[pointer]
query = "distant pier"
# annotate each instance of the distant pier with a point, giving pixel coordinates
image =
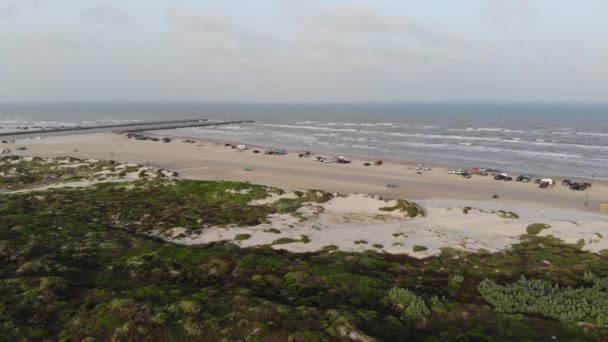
(127, 127)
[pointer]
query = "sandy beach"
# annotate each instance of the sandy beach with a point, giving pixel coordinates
(459, 213)
(211, 160)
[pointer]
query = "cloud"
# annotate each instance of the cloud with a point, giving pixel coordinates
(364, 20)
(208, 22)
(506, 13)
(106, 14)
(14, 7)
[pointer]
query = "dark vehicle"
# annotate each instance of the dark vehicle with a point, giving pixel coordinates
(367, 164)
(269, 152)
(280, 152)
(499, 177)
(566, 182)
(378, 163)
(577, 187)
(543, 185)
(587, 185)
(521, 178)
(537, 181)
(466, 175)
(508, 179)
(256, 151)
(527, 179)
(227, 144)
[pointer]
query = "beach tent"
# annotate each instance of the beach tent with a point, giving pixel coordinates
(241, 147)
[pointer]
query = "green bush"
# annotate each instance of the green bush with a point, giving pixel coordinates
(536, 296)
(240, 237)
(415, 307)
(420, 248)
(536, 228)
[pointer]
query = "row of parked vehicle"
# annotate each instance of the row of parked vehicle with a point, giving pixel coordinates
(543, 183)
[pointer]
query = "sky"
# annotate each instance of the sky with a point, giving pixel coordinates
(304, 51)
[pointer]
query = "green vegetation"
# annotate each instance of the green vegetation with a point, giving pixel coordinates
(272, 230)
(283, 241)
(17, 173)
(360, 242)
(81, 265)
(290, 205)
(330, 248)
(536, 228)
(566, 304)
(420, 248)
(240, 237)
(377, 245)
(411, 209)
(507, 214)
(414, 306)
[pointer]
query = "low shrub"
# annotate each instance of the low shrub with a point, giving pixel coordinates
(536, 228)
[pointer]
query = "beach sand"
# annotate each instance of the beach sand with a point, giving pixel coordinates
(211, 160)
(354, 222)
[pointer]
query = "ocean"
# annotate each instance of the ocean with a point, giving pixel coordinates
(540, 139)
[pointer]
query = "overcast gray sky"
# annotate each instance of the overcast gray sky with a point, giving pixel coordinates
(303, 51)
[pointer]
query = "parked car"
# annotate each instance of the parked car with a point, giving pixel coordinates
(566, 182)
(543, 185)
(328, 160)
(256, 151)
(508, 179)
(577, 187)
(378, 163)
(427, 168)
(451, 171)
(343, 160)
(466, 175)
(524, 178)
(499, 177)
(587, 185)
(269, 152)
(367, 164)
(459, 171)
(537, 181)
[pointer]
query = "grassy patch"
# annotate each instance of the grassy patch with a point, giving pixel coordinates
(330, 248)
(272, 230)
(419, 248)
(536, 228)
(360, 242)
(283, 241)
(411, 209)
(507, 214)
(240, 237)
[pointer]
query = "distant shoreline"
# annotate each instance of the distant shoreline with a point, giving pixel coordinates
(365, 158)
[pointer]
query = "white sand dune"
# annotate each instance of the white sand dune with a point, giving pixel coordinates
(355, 223)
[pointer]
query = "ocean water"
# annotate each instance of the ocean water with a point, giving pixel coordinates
(541, 139)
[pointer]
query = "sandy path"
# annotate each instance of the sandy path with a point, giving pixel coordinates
(215, 162)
